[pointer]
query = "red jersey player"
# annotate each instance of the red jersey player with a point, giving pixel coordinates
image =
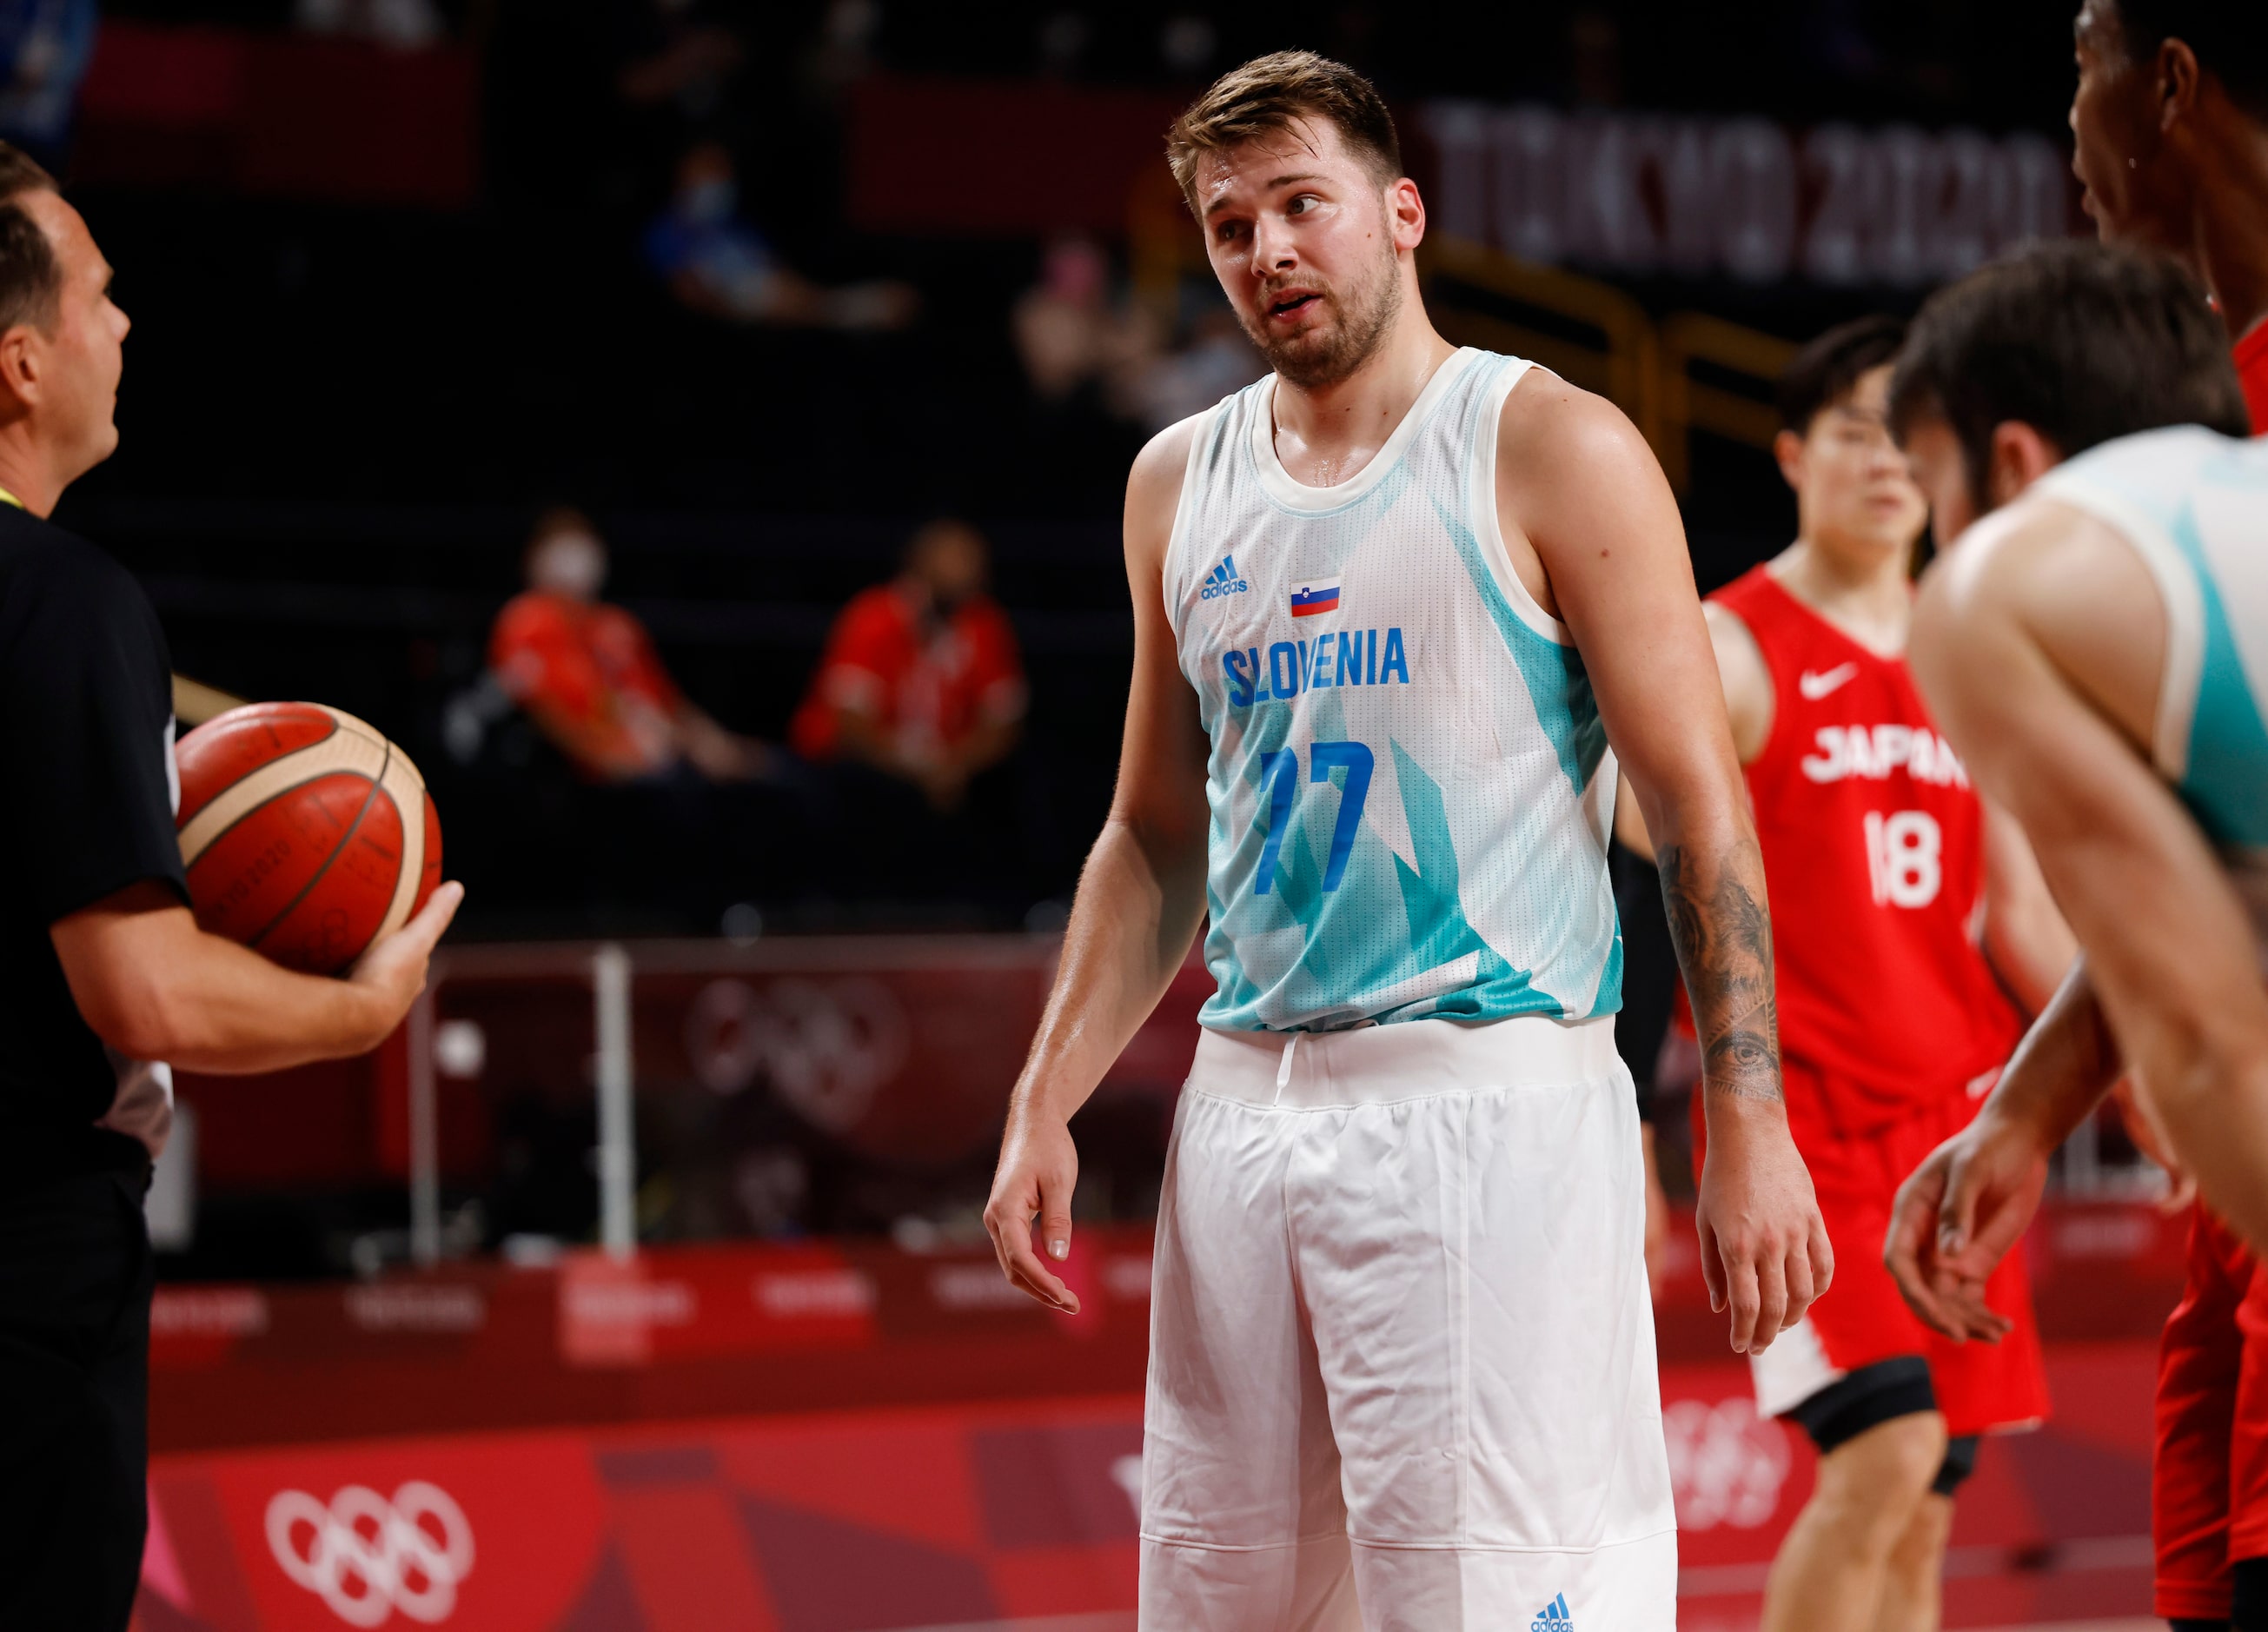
(2171, 121)
(2171, 124)
(1893, 1024)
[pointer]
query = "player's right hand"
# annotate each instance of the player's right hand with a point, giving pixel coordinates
(1039, 1166)
(393, 970)
(1956, 1216)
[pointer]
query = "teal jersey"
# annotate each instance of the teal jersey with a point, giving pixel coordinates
(2194, 505)
(1411, 793)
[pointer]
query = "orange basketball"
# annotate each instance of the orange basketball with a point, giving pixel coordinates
(305, 833)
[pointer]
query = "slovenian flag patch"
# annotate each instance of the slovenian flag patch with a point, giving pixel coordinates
(1310, 600)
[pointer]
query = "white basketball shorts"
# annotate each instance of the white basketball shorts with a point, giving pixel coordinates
(1401, 1361)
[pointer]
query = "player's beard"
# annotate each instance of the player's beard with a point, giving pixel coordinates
(1327, 353)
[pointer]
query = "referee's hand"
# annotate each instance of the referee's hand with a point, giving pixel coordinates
(392, 970)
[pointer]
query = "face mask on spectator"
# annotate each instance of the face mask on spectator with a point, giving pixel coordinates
(572, 564)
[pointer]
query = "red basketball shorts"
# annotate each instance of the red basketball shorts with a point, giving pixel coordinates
(1980, 1387)
(2209, 1477)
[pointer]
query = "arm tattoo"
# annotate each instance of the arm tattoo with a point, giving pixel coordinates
(1723, 935)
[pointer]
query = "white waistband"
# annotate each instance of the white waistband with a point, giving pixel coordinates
(1380, 1064)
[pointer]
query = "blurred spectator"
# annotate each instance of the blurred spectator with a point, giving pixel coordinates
(1595, 49)
(921, 678)
(1069, 334)
(716, 263)
(1216, 360)
(681, 57)
(1186, 45)
(843, 51)
(405, 24)
(1063, 38)
(588, 676)
(44, 48)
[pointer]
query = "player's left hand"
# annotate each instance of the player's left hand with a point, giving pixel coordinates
(1955, 1218)
(1764, 1252)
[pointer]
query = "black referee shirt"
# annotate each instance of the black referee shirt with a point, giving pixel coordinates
(87, 793)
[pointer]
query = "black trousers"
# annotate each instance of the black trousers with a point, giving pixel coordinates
(75, 1285)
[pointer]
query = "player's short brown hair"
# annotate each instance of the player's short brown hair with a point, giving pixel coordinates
(31, 282)
(2082, 341)
(1266, 96)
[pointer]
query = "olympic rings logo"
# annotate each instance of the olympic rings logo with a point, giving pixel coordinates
(367, 1557)
(1726, 1463)
(827, 1047)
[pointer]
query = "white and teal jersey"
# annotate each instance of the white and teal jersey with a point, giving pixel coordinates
(2194, 504)
(1411, 792)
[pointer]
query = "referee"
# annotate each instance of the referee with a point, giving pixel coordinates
(102, 968)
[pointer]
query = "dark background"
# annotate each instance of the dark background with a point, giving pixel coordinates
(339, 413)
(389, 303)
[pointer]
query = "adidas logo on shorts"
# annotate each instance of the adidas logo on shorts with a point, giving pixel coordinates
(1222, 580)
(1553, 1617)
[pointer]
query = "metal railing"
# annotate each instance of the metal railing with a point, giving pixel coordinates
(1624, 365)
(1689, 405)
(614, 1070)
(641, 995)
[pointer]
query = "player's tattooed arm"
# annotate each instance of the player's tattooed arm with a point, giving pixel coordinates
(1721, 925)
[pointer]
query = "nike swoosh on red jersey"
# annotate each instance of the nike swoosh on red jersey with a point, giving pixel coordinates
(1813, 687)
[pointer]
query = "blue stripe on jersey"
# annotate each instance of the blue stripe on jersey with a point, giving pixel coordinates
(1557, 682)
(1439, 929)
(2227, 758)
(1610, 998)
(1560, 689)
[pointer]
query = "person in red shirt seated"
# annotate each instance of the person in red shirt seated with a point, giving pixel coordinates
(921, 678)
(588, 676)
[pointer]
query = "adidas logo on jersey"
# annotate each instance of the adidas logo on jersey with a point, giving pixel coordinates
(1553, 1617)
(1222, 580)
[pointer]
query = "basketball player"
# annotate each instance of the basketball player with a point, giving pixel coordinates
(2093, 649)
(1891, 1019)
(2171, 121)
(1391, 604)
(101, 966)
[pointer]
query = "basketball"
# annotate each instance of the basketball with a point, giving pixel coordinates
(305, 833)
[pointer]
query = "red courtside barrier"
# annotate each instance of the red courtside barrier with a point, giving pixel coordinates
(850, 1438)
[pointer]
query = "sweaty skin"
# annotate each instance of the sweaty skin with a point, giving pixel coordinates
(1317, 256)
(2164, 158)
(2040, 640)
